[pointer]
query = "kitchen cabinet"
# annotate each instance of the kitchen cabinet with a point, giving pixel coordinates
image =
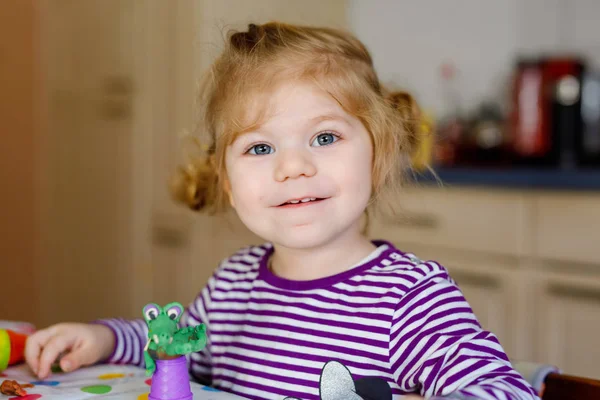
(525, 260)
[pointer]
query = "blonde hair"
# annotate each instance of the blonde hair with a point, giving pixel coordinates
(255, 62)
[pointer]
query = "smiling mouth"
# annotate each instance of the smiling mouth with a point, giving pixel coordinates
(301, 202)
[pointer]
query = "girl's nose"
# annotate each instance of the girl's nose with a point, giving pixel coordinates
(293, 164)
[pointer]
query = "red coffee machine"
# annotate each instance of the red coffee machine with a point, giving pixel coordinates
(546, 119)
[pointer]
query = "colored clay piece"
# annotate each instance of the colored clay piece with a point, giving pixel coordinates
(46, 383)
(27, 397)
(12, 348)
(111, 376)
(56, 369)
(12, 388)
(165, 340)
(96, 389)
(165, 351)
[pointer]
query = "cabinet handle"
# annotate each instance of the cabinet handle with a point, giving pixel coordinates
(419, 221)
(574, 292)
(474, 279)
(164, 236)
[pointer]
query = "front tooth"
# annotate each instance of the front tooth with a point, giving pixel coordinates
(313, 198)
(305, 200)
(294, 201)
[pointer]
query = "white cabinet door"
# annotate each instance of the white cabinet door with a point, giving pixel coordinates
(568, 314)
(95, 159)
(490, 293)
(485, 293)
(567, 227)
(492, 287)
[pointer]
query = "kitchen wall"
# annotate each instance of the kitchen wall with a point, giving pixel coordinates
(215, 18)
(411, 39)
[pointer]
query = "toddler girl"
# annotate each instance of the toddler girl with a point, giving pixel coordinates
(303, 141)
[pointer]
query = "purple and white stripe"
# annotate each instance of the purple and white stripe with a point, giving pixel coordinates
(392, 316)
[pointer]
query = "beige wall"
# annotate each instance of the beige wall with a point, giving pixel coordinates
(217, 17)
(410, 41)
(19, 120)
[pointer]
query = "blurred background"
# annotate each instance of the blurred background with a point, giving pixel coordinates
(96, 96)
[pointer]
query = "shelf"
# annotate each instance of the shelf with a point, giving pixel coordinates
(515, 178)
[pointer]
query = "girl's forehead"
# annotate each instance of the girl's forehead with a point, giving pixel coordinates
(297, 101)
(287, 100)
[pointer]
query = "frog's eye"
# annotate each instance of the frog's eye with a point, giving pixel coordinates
(173, 313)
(151, 311)
(151, 314)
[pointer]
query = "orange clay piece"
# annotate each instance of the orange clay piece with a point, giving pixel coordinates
(12, 388)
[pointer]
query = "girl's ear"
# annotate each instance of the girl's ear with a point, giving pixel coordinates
(227, 188)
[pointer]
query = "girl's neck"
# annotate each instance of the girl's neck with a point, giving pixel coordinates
(331, 258)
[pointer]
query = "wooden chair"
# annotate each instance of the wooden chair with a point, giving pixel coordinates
(566, 387)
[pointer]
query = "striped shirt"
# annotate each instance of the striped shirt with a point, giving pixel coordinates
(391, 316)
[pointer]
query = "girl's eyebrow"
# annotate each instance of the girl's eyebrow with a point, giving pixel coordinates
(314, 121)
(329, 117)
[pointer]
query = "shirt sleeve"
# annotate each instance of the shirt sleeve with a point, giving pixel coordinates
(197, 313)
(131, 337)
(438, 347)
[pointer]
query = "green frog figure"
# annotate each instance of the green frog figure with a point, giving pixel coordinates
(165, 339)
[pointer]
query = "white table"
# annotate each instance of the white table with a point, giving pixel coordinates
(99, 381)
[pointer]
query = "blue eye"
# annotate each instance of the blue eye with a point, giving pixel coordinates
(261, 149)
(324, 139)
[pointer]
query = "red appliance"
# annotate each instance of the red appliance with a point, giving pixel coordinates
(546, 121)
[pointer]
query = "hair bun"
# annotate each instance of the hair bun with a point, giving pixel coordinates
(194, 185)
(252, 29)
(410, 114)
(247, 40)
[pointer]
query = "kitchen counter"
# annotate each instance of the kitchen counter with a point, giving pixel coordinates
(524, 178)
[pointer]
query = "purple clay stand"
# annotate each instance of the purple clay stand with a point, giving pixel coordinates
(171, 380)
